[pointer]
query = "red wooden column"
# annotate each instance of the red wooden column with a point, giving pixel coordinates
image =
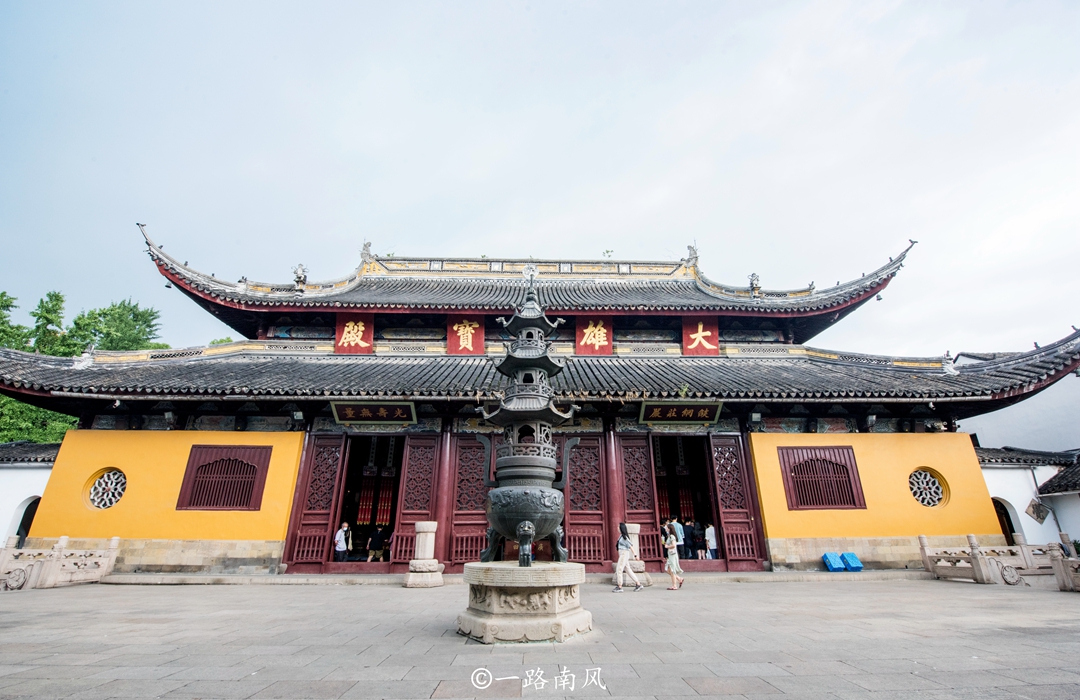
(615, 491)
(444, 493)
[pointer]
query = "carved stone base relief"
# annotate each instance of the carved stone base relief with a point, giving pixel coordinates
(513, 604)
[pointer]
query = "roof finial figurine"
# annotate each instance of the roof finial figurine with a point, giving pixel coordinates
(365, 253)
(755, 284)
(692, 257)
(530, 272)
(300, 276)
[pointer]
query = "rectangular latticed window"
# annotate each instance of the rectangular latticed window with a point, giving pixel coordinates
(224, 477)
(818, 478)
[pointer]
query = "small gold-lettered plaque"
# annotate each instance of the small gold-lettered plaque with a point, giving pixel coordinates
(374, 412)
(669, 412)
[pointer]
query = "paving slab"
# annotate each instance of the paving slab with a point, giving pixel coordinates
(795, 640)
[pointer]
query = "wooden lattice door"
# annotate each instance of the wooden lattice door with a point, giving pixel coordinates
(585, 497)
(470, 521)
(635, 452)
(417, 493)
(736, 502)
(319, 480)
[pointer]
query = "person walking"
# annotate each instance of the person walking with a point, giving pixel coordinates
(342, 542)
(710, 540)
(672, 565)
(680, 537)
(699, 540)
(625, 548)
(376, 543)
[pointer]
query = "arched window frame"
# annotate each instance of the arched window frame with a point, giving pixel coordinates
(257, 456)
(791, 457)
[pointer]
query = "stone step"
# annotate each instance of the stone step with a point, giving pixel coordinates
(456, 579)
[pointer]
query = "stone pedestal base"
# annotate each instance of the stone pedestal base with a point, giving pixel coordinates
(510, 603)
(424, 573)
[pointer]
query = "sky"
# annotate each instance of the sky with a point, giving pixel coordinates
(803, 141)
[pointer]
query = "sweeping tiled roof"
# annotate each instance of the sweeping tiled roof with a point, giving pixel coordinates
(746, 373)
(390, 284)
(1019, 455)
(1065, 481)
(28, 452)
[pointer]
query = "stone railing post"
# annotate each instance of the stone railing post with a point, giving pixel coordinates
(46, 573)
(425, 571)
(980, 566)
(114, 550)
(924, 551)
(1067, 543)
(7, 551)
(1061, 573)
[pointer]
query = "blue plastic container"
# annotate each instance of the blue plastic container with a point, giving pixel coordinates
(851, 562)
(833, 562)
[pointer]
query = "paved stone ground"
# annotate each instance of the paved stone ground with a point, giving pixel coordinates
(788, 641)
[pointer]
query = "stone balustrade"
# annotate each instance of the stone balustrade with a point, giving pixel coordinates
(59, 566)
(1066, 571)
(994, 564)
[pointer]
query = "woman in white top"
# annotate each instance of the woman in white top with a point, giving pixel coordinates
(626, 548)
(710, 540)
(672, 565)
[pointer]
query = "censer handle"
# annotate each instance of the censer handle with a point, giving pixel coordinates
(486, 442)
(570, 444)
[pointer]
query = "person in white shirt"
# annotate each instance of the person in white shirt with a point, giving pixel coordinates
(710, 540)
(342, 540)
(625, 548)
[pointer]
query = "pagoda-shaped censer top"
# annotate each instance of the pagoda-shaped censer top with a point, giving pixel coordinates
(525, 503)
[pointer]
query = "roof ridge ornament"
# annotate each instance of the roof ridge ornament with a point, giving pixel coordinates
(691, 259)
(300, 276)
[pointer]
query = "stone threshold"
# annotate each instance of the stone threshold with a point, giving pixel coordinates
(457, 579)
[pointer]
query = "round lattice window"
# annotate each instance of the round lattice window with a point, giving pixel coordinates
(926, 487)
(107, 488)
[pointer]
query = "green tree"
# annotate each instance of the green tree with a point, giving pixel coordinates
(48, 336)
(120, 326)
(11, 335)
(21, 421)
(222, 341)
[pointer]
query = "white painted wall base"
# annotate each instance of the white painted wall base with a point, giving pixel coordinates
(18, 487)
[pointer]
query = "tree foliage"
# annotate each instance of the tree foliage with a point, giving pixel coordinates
(11, 335)
(122, 325)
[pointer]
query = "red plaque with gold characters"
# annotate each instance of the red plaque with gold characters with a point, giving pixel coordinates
(355, 334)
(464, 335)
(668, 412)
(700, 335)
(594, 335)
(374, 412)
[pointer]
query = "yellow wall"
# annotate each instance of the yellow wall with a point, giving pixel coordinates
(154, 463)
(885, 461)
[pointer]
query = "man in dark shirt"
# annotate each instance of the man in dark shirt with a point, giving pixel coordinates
(376, 544)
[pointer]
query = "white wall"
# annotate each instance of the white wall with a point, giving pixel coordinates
(18, 485)
(1015, 487)
(1067, 508)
